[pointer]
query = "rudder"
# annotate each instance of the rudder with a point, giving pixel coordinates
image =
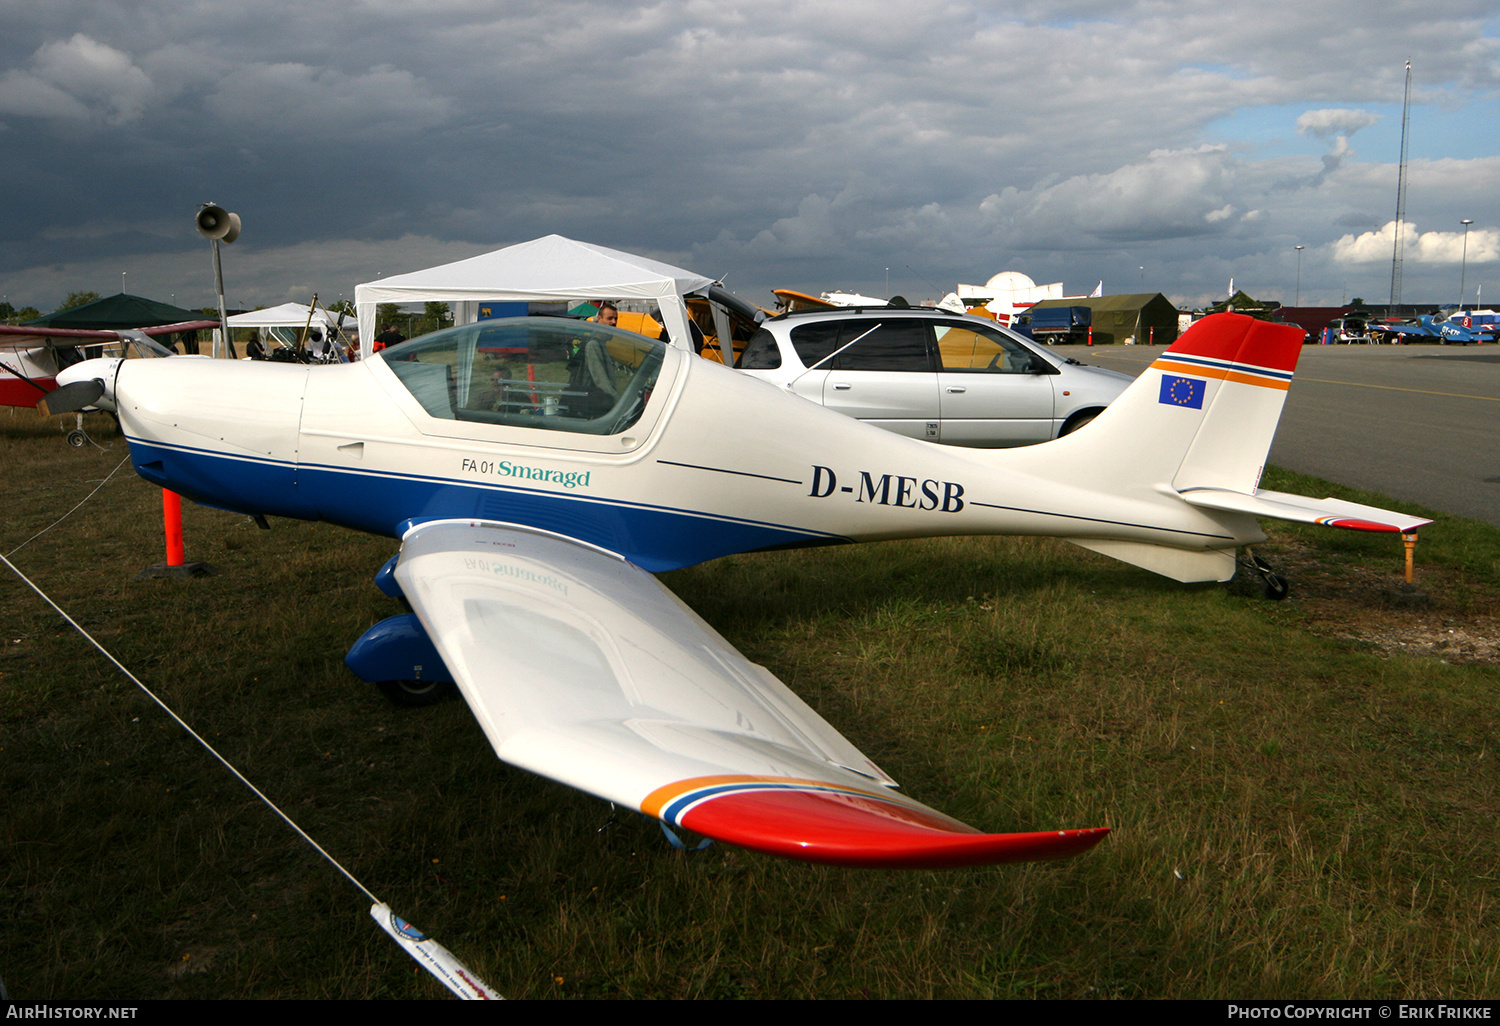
(1230, 447)
(1203, 414)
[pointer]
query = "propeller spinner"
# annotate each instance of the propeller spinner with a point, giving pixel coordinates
(83, 385)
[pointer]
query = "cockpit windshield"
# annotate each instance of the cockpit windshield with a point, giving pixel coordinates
(535, 372)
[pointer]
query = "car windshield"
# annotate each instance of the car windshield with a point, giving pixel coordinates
(536, 372)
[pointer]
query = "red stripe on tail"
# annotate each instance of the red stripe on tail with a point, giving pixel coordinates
(1242, 339)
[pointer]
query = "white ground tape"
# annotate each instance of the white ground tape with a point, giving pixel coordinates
(433, 957)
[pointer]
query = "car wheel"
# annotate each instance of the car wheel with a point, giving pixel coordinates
(416, 693)
(1077, 421)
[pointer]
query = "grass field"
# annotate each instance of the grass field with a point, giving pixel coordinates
(1303, 794)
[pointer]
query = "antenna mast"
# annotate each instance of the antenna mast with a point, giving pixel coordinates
(1400, 200)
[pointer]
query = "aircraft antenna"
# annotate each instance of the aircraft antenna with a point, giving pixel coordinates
(1400, 200)
(924, 277)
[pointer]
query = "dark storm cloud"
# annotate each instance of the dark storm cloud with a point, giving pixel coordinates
(803, 144)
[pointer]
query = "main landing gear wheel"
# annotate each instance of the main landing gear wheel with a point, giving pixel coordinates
(1273, 585)
(417, 693)
(77, 438)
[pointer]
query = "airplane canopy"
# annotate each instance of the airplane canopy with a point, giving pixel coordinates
(552, 268)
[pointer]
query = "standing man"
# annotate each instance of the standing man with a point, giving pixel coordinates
(389, 337)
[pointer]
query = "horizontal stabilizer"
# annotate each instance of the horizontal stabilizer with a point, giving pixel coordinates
(1329, 512)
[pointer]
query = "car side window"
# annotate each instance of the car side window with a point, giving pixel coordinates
(966, 349)
(898, 344)
(544, 373)
(815, 342)
(760, 353)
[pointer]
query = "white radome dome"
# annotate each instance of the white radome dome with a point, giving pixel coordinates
(1009, 281)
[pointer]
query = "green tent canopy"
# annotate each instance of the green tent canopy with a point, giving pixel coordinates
(1117, 318)
(117, 313)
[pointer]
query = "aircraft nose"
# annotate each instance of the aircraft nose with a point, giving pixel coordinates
(90, 383)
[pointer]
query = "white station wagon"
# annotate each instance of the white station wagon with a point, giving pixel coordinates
(930, 374)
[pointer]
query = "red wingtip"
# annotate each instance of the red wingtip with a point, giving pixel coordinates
(1354, 524)
(1241, 339)
(850, 829)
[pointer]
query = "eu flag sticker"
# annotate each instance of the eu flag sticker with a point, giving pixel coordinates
(1177, 391)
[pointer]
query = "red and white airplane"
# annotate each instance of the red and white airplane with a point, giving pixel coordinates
(537, 471)
(31, 357)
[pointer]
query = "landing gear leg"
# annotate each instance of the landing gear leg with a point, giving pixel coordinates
(77, 437)
(1273, 585)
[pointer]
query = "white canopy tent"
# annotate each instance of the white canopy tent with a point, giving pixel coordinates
(287, 315)
(283, 325)
(551, 268)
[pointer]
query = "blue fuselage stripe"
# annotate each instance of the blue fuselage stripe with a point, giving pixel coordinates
(655, 538)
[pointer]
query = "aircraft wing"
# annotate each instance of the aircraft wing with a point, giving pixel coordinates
(20, 336)
(172, 329)
(15, 336)
(584, 668)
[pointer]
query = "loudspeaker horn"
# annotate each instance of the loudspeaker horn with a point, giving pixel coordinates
(214, 222)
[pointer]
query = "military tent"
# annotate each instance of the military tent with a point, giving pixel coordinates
(1143, 318)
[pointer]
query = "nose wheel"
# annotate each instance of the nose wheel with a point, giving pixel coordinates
(77, 438)
(417, 693)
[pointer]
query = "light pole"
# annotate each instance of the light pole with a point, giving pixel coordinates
(1299, 275)
(1463, 274)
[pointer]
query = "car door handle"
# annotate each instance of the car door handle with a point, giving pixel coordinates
(841, 388)
(957, 389)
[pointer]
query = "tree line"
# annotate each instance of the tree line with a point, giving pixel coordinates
(10, 315)
(434, 316)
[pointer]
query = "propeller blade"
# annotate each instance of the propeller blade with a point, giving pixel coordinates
(72, 397)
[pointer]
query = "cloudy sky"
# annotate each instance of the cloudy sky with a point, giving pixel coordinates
(1158, 145)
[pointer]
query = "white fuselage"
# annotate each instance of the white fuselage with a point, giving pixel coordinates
(717, 463)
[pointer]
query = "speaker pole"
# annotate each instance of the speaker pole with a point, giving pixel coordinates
(223, 316)
(215, 223)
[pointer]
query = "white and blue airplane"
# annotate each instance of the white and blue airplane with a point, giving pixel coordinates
(538, 471)
(1429, 327)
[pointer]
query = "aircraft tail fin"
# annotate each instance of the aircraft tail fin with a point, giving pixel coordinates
(1201, 416)
(1197, 426)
